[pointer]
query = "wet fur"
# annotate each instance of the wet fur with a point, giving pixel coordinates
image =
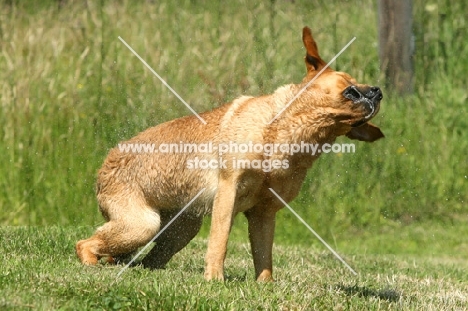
(138, 193)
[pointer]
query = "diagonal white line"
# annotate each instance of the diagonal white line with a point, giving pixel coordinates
(159, 233)
(163, 82)
(311, 81)
(312, 230)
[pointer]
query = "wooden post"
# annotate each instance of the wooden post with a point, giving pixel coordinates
(396, 44)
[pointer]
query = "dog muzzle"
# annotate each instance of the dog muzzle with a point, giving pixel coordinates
(368, 97)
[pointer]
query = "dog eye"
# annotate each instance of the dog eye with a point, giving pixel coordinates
(351, 93)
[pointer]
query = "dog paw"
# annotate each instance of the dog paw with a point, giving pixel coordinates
(108, 260)
(86, 256)
(214, 274)
(265, 277)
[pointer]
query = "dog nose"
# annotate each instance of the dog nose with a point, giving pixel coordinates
(358, 93)
(374, 93)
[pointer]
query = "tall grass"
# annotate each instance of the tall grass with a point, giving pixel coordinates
(71, 90)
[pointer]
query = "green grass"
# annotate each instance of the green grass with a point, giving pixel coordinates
(71, 90)
(40, 272)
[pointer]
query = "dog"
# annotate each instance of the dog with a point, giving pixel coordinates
(140, 192)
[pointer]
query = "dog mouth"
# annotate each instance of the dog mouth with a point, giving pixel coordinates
(368, 97)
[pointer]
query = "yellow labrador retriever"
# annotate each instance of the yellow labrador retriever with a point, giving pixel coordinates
(140, 189)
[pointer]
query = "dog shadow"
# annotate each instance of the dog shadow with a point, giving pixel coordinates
(229, 277)
(363, 291)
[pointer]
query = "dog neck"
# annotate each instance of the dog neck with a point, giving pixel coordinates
(304, 120)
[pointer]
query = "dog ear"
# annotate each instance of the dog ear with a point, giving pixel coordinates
(366, 132)
(312, 59)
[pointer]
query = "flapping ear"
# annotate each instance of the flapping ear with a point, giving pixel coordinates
(366, 132)
(312, 59)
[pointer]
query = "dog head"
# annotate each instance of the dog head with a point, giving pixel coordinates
(353, 104)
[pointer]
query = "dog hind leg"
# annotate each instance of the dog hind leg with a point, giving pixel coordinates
(173, 239)
(129, 227)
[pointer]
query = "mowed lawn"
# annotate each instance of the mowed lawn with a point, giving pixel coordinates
(41, 272)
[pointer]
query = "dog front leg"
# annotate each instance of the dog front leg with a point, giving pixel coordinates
(261, 234)
(221, 222)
